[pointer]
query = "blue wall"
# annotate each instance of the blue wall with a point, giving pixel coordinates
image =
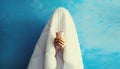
(97, 23)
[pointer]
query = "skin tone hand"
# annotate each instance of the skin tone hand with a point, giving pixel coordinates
(59, 42)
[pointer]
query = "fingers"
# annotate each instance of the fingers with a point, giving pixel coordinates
(59, 42)
(59, 39)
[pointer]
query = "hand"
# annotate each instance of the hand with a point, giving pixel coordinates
(59, 41)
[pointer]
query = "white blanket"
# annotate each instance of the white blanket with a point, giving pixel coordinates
(44, 54)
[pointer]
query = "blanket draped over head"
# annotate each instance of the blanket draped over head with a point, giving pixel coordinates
(44, 54)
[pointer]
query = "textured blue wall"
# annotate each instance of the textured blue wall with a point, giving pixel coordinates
(97, 23)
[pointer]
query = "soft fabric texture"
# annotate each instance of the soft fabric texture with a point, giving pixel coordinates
(44, 53)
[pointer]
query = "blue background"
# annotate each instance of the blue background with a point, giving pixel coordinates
(97, 23)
